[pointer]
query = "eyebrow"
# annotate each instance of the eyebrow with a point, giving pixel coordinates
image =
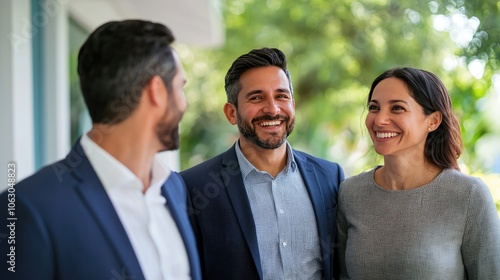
(250, 93)
(257, 91)
(391, 101)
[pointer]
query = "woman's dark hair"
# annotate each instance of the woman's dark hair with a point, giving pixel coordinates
(443, 146)
(117, 61)
(255, 58)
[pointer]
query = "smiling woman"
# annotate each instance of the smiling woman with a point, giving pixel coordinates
(396, 122)
(417, 216)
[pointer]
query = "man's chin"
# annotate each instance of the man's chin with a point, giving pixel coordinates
(166, 149)
(270, 143)
(170, 145)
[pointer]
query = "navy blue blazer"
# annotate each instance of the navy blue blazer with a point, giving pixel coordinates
(67, 228)
(222, 218)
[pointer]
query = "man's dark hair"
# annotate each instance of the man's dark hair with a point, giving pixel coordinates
(117, 61)
(255, 58)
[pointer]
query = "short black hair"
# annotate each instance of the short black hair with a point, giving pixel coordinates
(255, 58)
(117, 61)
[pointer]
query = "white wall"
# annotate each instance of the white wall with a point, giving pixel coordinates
(16, 90)
(56, 81)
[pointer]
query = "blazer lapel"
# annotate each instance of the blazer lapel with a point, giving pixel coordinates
(93, 194)
(317, 198)
(172, 190)
(314, 189)
(239, 200)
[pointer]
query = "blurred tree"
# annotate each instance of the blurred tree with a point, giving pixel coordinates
(335, 50)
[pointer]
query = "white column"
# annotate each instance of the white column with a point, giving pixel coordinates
(16, 90)
(57, 118)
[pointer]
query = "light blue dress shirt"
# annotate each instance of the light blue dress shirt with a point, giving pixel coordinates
(287, 233)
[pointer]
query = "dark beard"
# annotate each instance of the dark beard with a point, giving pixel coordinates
(167, 130)
(249, 133)
(168, 136)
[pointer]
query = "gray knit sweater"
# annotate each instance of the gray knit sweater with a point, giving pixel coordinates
(446, 229)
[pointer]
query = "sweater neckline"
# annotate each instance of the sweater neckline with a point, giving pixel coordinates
(425, 186)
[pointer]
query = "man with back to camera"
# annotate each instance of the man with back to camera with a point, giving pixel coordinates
(262, 210)
(111, 209)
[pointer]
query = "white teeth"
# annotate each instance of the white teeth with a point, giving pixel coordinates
(386, 135)
(270, 123)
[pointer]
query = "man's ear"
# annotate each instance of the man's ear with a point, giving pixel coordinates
(435, 120)
(230, 112)
(157, 91)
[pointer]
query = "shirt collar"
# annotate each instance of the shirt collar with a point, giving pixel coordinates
(247, 167)
(160, 174)
(113, 174)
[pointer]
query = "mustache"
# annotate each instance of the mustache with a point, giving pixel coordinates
(270, 118)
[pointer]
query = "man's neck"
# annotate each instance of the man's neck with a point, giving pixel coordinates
(272, 161)
(128, 150)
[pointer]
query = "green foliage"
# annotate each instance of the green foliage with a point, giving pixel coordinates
(335, 50)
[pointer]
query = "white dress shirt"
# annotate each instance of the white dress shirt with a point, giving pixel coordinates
(151, 229)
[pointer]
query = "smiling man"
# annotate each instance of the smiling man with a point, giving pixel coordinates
(262, 210)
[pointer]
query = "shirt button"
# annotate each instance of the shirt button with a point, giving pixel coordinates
(284, 243)
(282, 212)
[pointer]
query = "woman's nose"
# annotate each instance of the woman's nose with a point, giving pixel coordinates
(382, 118)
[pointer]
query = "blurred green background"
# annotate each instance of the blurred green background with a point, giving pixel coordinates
(335, 49)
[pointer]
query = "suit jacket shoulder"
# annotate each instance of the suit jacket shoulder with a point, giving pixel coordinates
(67, 227)
(326, 167)
(222, 219)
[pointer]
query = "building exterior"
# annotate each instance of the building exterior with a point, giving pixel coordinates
(41, 111)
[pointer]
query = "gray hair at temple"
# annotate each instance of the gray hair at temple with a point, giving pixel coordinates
(254, 59)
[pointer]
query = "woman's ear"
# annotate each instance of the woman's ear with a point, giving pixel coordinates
(435, 120)
(230, 112)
